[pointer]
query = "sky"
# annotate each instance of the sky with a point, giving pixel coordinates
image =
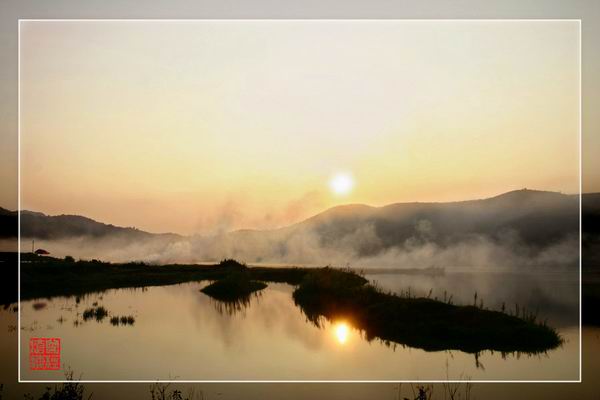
(209, 126)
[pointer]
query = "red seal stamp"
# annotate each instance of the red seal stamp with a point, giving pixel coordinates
(44, 354)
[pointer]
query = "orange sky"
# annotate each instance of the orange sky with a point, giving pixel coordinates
(204, 126)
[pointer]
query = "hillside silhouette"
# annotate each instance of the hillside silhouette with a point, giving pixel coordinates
(529, 221)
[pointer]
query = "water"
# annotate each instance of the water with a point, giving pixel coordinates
(554, 295)
(180, 333)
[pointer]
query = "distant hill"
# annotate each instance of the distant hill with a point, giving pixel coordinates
(528, 220)
(8, 223)
(536, 219)
(591, 229)
(41, 226)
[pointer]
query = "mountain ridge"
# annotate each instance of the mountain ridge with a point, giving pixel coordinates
(524, 226)
(97, 228)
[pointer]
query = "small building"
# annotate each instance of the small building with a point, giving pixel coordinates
(42, 252)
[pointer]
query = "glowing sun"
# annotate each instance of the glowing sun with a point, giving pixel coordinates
(341, 332)
(341, 184)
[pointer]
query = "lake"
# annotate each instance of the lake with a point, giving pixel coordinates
(180, 333)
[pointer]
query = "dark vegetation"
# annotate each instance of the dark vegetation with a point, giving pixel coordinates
(235, 286)
(417, 322)
(70, 390)
(163, 391)
(43, 277)
(97, 313)
(123, 320)
(232, 294)
(591, 259)
(450, 391)
(591, 298)
(73, 390)
(321, 293)
(590, 204)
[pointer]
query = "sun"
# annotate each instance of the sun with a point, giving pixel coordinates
(341, 332)
(341, 184)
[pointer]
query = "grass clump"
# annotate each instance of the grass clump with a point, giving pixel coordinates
(123, 320)
(70, 390)
(235, 286)
(232, 263)
(97, 313)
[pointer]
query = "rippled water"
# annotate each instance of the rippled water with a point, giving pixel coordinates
(180, 333)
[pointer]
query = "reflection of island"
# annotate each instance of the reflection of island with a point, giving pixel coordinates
(233, 307)
(271, 312)
(235, 286)
(232, 294)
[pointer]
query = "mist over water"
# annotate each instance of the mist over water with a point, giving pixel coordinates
(307, 248)
(523, 229)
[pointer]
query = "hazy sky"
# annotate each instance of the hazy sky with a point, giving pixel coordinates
(202, 126)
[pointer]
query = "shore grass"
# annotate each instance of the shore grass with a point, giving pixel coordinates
(327, 293)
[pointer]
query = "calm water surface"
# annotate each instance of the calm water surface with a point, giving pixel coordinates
(180, 333)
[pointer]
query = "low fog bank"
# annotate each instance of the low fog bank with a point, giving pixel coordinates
(309, 248)
(501, 272)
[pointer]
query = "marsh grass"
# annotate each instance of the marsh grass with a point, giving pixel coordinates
(70, 390)
(123, 320)
(100, 313)
(418, 321)
(163, 391)
(449, 391)
(97, 313)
